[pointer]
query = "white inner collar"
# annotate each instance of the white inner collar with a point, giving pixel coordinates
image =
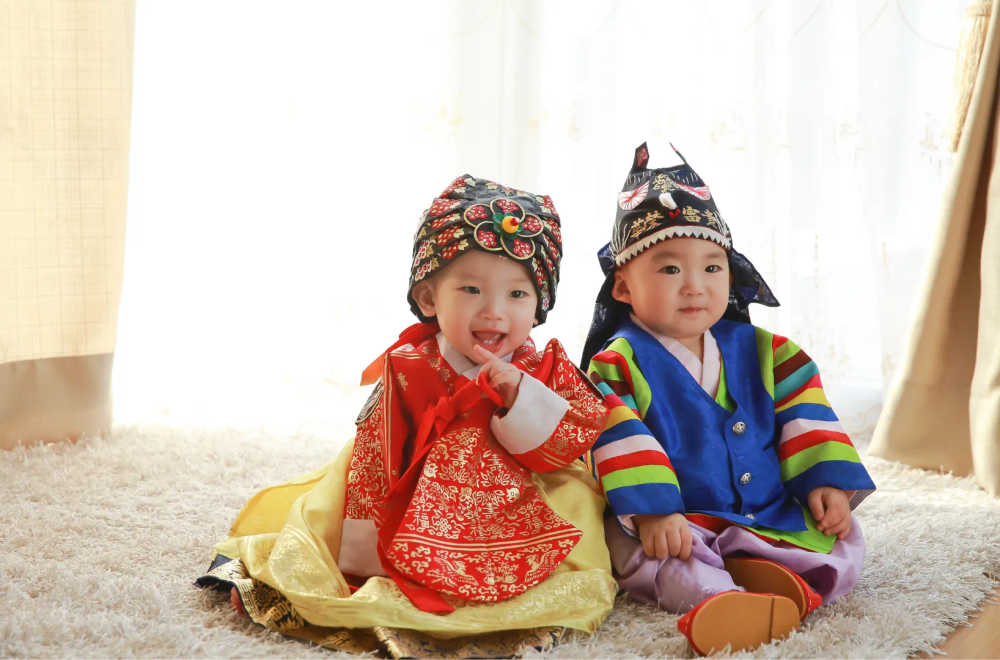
(705, 371)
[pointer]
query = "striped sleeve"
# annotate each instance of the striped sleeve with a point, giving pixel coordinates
(813, 448)
(629, 462)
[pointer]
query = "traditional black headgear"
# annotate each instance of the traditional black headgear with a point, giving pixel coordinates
(477, 214)
(656, 205)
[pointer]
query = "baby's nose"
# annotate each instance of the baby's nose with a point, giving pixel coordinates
(692, 284)
(492, 307)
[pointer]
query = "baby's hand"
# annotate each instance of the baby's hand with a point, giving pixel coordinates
(832, 510)
(502, 376)
(664, 536)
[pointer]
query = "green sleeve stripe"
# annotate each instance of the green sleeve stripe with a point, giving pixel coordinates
(785, 351)
(640, 388)
(642, 474)
(801, 461)
(766, 356)
(606, 370)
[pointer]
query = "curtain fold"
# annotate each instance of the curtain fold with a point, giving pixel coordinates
(65, 98)
(943, 408)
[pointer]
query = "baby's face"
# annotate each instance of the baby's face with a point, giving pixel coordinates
(482, 299)
(678, 287)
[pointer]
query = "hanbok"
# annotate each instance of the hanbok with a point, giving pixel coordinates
(436, 530)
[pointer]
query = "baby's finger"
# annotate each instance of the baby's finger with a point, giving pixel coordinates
(673, 542)
(485, 356)
(816, 505)
(686, 543)
(648, 546)
(662, 545)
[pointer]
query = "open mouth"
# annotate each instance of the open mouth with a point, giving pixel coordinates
(491, 341)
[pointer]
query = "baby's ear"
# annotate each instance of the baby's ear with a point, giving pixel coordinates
(620, 291)
(423, 294)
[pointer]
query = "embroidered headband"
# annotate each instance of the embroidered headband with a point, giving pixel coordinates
(657, 205)
(477, 214)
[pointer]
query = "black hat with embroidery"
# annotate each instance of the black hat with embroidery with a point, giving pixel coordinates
(657, 205)
(477, 214)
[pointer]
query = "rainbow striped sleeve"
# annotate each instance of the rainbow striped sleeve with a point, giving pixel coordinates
(629, 462)
(813, 448)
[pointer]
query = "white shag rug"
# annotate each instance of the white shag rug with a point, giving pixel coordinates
(101, 540)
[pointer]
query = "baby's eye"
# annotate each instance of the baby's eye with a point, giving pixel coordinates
(471, 289)
(518, 293)
(714, 268)
(670, 270)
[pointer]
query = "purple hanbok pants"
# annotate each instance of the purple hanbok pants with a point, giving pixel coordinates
(677, 585)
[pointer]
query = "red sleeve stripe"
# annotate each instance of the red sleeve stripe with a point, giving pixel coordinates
(777, 341)
(810, 439)
(636, 459)
(612, 401)
(619, 361)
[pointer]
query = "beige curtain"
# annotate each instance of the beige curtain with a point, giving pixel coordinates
(65, 99)
(943, 409)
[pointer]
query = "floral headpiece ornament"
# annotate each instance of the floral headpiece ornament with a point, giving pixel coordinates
(657, 205)
(478, 214)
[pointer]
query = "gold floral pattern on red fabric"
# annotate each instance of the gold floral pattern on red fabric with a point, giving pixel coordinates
(476, 526)
(367, 473)
(472, 523)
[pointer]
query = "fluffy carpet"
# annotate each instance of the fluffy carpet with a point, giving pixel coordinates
(100, 541)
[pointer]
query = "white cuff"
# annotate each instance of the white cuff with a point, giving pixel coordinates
(532, 419)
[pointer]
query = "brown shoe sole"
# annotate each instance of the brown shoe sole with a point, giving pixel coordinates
(767, 578)
(742, 620)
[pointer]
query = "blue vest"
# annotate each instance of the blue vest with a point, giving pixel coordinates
(726, 462)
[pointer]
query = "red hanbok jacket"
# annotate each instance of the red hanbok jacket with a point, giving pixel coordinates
(450, 495)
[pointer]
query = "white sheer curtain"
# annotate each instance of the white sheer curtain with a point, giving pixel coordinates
(283, 151)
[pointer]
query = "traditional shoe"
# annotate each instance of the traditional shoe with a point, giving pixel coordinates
(770, 577)
(741, 619)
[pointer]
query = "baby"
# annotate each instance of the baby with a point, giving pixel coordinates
(730, 478)
(461, 508)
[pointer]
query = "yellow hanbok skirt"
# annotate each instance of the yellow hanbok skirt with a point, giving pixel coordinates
(281, 555)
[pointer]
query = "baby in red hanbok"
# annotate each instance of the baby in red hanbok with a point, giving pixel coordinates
(461, 509)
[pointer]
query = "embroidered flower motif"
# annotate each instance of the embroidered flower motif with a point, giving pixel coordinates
(448, 235)
(458, 185)
(547, 206)
(701, 192)
(425, 250)
(424, 269)
(504, 225)
(629, 199)
(441, 206)
(446, 220)
(451, 250)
